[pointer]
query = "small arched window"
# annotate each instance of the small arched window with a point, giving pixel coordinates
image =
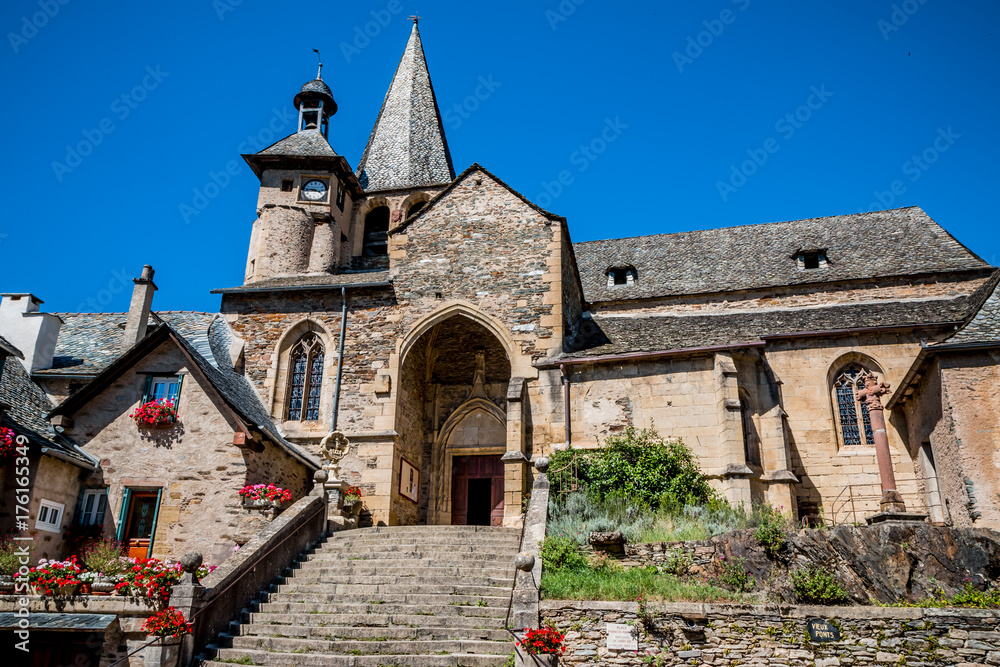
(852, 415)
(306, 381)
(751, 439)
(416, 208)
(376, 243)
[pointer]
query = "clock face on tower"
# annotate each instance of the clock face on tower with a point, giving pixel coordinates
(314, 190)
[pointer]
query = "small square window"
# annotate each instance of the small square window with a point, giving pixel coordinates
(163, 388)
(49, 516)
(93, 505)
(340, 196)
(810, 260)
(621, 277)
(286, 185)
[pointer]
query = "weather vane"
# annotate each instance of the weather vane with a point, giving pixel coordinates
(414, 17)
(319, 74)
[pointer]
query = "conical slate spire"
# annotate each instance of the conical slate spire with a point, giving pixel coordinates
(407, 148)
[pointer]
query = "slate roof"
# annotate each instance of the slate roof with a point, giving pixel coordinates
(317, 86)
(407, 147)
(359, 278)
(27, 407)
(603, 335)
(897, 242)
(89, 342)
(305, 143)
(9, 348)
(983, 325)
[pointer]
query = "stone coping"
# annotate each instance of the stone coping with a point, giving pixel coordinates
(704, 609)
(83, 604)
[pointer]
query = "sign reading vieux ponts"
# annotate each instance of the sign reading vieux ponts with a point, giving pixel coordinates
(822, 631)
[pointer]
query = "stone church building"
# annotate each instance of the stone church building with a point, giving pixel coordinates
(454, 332)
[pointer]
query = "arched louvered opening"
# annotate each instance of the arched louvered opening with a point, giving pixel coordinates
(376, 242)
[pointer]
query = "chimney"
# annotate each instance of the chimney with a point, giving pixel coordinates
(138, 309)
(32, 332)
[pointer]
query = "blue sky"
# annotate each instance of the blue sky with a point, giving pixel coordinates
(658, 117)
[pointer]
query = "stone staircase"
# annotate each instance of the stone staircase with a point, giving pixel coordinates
(385, 597)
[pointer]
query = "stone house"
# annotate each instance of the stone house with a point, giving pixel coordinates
(476, 336)
(163, 491)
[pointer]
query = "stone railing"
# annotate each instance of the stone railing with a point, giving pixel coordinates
(221, 596)
(523, 612)
(735, 634)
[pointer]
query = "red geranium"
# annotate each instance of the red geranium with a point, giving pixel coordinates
(8, 441)
(50, 575)
(148, 577)
(155, 413)
(543, 641)
(353, 492)
(266, 492)
(167, 623)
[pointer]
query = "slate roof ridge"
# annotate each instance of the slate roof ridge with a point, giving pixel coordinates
(390, 147)
(475, 166)
(10, 349)
(983, 321)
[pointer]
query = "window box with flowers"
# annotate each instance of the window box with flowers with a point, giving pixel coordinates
(8, 441)
(165, 631)
(155, 414)
(53, 577)
(544, 644)
(149, 578)
(264, 496)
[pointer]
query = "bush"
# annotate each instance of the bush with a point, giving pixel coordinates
(815, 585)
(105, 557)
(771, 527)
(10, 561)
(656, 472)
(561, 553)
(734, 574)
(969, 596)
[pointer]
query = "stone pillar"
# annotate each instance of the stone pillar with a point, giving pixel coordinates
(871, 398)
(325, 251)
(516, 474)
(186, 597)
(735, 473)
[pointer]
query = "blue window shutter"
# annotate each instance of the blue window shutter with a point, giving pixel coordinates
(177, 401)
(152, 532)
(123, 515)
(145, 392)
(78, 516)
(102, 506)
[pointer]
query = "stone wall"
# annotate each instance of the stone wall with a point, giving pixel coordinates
(730, 634)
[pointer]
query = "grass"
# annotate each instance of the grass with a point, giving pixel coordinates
(628, 584)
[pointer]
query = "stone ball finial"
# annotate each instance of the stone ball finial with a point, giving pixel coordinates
(320, 476)
(191, 561)
(542, 464)
(525, 562)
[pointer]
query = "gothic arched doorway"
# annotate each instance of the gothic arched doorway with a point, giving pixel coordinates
(451, 421)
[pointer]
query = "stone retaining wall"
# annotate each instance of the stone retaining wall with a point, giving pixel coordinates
(733, 634)
(700, 553)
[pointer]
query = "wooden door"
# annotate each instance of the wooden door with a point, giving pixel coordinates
(477, 490)
(140, 523)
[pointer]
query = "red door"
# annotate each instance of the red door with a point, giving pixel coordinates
(477, 491)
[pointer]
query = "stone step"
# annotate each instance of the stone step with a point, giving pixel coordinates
(313, 619)
(443, 541)
(355, 647)
(405, 568)
(377, 633)
(299, 594)
(458, 554)
(387, 608)
(426, 531)
(332, 576)
(415, 588)
(266, 659)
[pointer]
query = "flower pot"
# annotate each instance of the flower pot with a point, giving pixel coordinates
(102, 587)
(6, 583)
(162, 652)
(85, 588)
(541, 660)
(68, 590)
(161, 425)
(257, 504)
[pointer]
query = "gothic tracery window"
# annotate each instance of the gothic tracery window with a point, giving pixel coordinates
(852, 415)
(306, 381)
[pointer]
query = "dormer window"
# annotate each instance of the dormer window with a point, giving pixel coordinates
(809, 260)
(621, 275)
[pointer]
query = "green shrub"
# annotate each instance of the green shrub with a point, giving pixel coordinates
(734, 574)
(105, 557)
(816, 585)
(656, 472)
(562, 553)
(677, 562)
(771, 527)
(9, 559)
(971, 597)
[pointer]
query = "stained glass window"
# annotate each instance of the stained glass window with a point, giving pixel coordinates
(853, 415)
(306, 379)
